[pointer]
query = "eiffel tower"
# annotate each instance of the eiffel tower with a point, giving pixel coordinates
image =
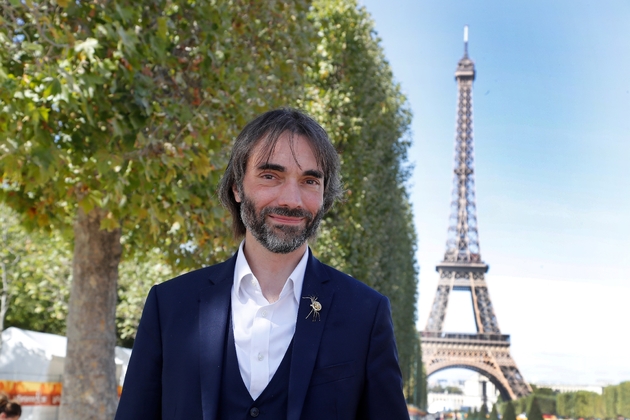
(488, 351)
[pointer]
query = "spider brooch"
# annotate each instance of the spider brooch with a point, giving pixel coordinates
(315, 308)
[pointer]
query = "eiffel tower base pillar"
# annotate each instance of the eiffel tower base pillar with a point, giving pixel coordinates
(488, 354)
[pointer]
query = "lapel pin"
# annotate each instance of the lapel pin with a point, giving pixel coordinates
(315, 308)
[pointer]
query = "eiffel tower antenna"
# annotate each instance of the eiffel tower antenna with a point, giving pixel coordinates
(488, 351)
(465, 40)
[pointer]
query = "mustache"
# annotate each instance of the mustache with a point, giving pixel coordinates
(283, 211)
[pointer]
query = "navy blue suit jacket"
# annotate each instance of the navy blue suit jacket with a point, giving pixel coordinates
(343, 366)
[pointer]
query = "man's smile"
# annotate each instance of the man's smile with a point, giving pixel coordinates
(286, 220)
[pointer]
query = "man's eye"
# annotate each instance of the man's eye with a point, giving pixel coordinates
(267, 176)
(312, 181)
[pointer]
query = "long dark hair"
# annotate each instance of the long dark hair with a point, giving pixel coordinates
(265, 130)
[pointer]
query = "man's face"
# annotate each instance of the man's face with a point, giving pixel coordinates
(282, 197)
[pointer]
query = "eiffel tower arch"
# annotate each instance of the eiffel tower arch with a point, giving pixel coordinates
(488, 351)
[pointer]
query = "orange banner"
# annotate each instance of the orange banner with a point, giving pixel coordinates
(34, 393)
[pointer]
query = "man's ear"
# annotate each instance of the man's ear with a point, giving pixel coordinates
(237, 196)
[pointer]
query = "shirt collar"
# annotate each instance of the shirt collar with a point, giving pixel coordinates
(242, 269)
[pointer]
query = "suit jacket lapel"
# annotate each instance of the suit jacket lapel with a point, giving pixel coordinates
(308, 334)
(214, 307)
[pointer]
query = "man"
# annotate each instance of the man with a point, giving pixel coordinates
(271, 333)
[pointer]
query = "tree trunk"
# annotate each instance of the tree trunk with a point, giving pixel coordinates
(89, 382)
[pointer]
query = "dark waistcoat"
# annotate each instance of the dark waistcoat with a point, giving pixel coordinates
(236, 402)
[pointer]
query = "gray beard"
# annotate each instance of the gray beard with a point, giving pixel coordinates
(279, 239)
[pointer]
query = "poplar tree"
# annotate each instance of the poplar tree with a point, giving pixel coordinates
(623, 399)
(494, 415)
(508, 412)
(483, 411)
(371, 236)
(534, 412)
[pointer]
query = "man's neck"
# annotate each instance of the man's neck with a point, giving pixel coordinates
(271, 269)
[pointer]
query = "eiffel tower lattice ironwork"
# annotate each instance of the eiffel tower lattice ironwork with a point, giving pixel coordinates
(488, 351)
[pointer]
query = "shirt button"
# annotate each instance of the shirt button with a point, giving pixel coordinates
(260, 356)
(254, 412)
(264, 313)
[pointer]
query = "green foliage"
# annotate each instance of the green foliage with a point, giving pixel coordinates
(534, 412)
(415, 388)
(38, 283)
(352, 92)
(474, 414)
(580, 404)
(126, 110)
(131, 106)
(136, 278)
(623, 399)
(547, 403)
(545, 397)
(419, 396)
(494, 415)
(508, 412)
(616, 400)
(609, 395)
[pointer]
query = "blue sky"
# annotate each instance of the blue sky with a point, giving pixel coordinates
(552, 153)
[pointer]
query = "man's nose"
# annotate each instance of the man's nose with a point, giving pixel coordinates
(290, 195)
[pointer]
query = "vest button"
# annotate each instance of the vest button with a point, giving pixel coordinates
(254, 412)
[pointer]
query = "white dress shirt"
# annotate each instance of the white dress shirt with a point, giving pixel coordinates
(262, 331)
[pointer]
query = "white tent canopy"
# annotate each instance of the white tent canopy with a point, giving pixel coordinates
(39, 357)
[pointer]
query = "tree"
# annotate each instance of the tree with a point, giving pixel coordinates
(623, 401)
(371, 236)
(115, 122)
(416, 387)
(38, 283)
(9, 259)
(420, 383)
(609, 395)
(534, 412)
(564, 404)
(483, 412)
(494, 415)
(616, 400)
(474, 414)
(137, 275)
(580, 404)
(509, 413)
(115, 119)
(545, 398)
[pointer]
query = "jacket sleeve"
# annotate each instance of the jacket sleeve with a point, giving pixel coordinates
(383, 391)
(142, 390)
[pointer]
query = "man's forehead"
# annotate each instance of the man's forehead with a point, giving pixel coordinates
(266, 149)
